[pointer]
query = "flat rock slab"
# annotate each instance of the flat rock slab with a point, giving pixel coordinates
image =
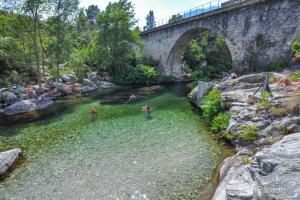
(8, 159)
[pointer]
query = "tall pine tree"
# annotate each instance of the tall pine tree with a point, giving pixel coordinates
(150, 20)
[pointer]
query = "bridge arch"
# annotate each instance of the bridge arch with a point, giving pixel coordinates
(243, 26)
(174, 63)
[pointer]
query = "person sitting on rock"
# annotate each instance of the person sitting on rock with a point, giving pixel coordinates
(284, 82)
(233, 76)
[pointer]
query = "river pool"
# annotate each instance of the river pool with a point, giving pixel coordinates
(122, 154)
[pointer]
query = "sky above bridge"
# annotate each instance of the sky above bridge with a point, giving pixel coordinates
(162, 8)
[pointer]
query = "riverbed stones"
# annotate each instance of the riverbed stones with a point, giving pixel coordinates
(8, 159)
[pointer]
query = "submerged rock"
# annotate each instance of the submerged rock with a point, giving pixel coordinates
(7, 160)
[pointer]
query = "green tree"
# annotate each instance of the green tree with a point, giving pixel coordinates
(207, 56)
(194, 55)
(63, 13)
(91, 12)
(36, 8)
(175, 18)
(150, 21)
(117, 37)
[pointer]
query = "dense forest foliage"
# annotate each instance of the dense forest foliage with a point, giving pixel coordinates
(42, 40)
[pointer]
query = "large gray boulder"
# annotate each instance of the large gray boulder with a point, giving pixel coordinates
(274, 173)
(106, 84)
(197, 94)
(41, 90)
(17, 90)
(23, 97)
(203, 88)
(9, 98)
(62, 88)
(69, 78)
(8, 159)
(243, 82)
(92, 76)
(87, 82)
(27, 106)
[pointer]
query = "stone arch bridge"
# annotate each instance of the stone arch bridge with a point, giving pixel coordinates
(257, 32)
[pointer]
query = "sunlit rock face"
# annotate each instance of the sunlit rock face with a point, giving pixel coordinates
(273, 173)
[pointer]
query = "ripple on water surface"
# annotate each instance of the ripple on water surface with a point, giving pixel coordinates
(121, 155)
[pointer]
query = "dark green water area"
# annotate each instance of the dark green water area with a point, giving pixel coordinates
(122, 154)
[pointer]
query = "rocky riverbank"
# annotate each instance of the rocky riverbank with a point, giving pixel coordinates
(265, 132)
(20, 103)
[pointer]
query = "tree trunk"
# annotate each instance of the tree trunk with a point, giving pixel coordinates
(37, 56)
(43, 55)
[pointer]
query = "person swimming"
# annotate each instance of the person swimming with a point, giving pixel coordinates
(147, 110)
(94, 113)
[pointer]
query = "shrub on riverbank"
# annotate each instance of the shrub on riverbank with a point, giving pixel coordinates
(139, 75)
(211, 104)
(220, 122)
(249, 133)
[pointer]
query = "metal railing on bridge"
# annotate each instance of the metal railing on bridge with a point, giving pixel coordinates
(196, 11)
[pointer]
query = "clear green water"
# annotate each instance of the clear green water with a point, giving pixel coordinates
(121, 155)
